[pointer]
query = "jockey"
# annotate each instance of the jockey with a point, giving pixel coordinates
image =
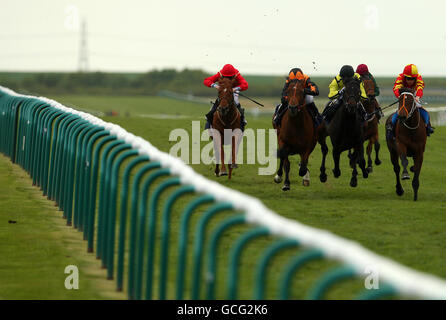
(410, 78)
(365, 74)
(310, 90)
(228, 71)
(337, 89)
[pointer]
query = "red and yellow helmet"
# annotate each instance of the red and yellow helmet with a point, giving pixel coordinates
(410, 71)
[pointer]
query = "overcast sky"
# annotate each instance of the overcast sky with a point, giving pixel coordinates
(257, 37)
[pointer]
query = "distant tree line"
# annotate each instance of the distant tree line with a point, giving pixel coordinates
(187, 81)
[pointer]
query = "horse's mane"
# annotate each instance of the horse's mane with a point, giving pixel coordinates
(225, 82)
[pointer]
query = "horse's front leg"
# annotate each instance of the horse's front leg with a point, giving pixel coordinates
(377, 147)
(418, 162)
(303, 170)
(324, 149)
(361, 161)
(278, 177)
(369, 154)
(222, 158)
(396, 169)
(286, 184)
(232, 162)
(336, 156)
(404, 162)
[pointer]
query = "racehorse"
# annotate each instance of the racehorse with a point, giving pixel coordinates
(410, 141)
(226, 124)
(371, 126)
(296, 135)
(346, 132)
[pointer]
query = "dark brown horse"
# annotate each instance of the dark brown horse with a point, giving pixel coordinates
(346, 132)
(226, 127)
(410, 141)
(371, 126)
(296, 134)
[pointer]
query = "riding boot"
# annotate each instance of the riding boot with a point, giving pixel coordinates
(243, 121)
(278, 114)
(429, 129)
(314, 112)
(210, 115)
(330, 109)
(390, 131)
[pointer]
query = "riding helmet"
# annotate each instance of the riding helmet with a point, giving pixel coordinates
(228, 71)
(410, 71)
(347, 71)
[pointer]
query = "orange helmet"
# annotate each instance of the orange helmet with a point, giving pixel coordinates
(295, 73)
(410, 71)
(228, 71)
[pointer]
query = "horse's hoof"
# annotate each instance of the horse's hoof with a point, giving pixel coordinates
(234, 166)
(400, 191)
(302, 172)
(353, 183)
(369, 169)
(377, 162)
(412, 169)
(365, 174)
(405, 176)
(223, 174)
(277, 179)
(306, 183)
(286, 187)
(323, 177)
(336, 173)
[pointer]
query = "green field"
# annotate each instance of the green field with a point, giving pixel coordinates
(411, 233)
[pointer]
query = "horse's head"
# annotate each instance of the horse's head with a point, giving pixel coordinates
(352, 93)
(406, 102)
(225, 95)
(296, 96)
(369, 87)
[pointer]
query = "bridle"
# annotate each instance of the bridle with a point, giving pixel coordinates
(355, 97)
(222, 111)
(409, 113)
(294, 90)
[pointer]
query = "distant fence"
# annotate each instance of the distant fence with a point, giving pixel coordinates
(76, 158)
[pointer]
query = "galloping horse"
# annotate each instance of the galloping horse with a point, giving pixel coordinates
(371, 126)
(346, 132)
(410, 141)
(296, 134)
(227, 118)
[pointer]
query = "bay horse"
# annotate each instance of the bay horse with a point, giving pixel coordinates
(296, 134)
(410, 140)
(371, 126)
(226, 123)
(346, 132)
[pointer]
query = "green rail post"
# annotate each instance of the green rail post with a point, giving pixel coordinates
(182, 239)
(270, 252)
(93, 189)
(134, 223)
(298, 262)
(112, 220)
(211, 273)
(374, 294)
(329, 279)
(142, 217)
(234, 258)
(198, 245)
(165, 227)
(123, 217)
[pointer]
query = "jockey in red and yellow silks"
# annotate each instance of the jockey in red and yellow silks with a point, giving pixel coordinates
(410, 78)
(240, 84)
